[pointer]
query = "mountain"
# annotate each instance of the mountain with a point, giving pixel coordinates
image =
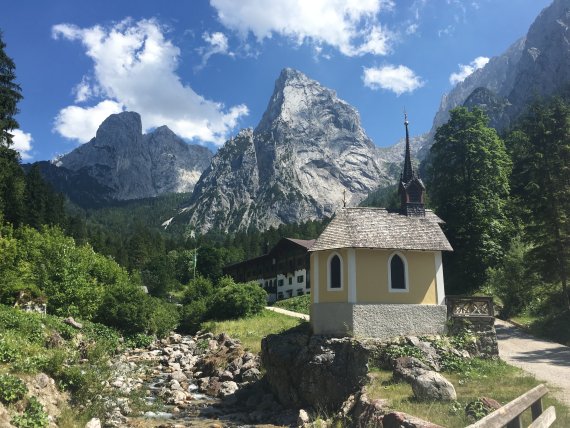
(134, 165)
(535, 66)
(305, 156)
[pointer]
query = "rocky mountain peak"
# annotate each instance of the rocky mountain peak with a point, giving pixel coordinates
(134, 165)
(307, 152)
(126, 124)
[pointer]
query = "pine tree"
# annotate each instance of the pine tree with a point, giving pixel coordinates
(468, 184)
(10, 95)
(541, 187)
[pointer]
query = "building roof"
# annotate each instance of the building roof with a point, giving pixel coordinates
(307, 243)
(363, 227)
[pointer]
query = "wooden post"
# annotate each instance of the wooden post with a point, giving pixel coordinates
(536, 409)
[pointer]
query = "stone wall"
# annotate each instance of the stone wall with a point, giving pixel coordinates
(483, 328)
(382, 321)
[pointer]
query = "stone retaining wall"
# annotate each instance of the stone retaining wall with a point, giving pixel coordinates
(382, 321)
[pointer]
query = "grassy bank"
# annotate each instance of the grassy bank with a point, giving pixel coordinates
(251, 330)
(299, 304)
(484, 378)
(554, 326)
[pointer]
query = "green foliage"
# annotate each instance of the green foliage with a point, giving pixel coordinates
(10, 95)
(12, 389)
(404, 350)
(238, 300)
(139, 340)
(299, 304)
(514, 282)
(468, 171)
(34, 416)
(129, 309)
(383, 197)
(192, 315)
(540, 149)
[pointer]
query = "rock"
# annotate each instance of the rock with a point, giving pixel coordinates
(178, 376)
(431, 386)
(42, 380)
(403, 420)
(93, 423)
(70, 321)
(315, 371)
(227, 375)
(368, 413)
(228, 388)
(54, 340)
(407, 368)
(251, 375)
(303, 418)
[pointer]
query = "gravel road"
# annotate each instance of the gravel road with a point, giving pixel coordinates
(547, 361)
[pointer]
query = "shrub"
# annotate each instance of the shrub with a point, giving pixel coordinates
(12, 389)
(129, 309)
(192, 315)
(34, 416)
(238, 300)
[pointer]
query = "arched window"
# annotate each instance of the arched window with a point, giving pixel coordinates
(397, 273)
(335, 272)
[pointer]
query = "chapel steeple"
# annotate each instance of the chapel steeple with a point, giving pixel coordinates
(412, 189)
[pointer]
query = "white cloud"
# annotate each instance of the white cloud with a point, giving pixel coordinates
(350, 26)
(217, 45)
(135, 69)
(22, 143)
(81, 123)
(466, 70)
(398, 79)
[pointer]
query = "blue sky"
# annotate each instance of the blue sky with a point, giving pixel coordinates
(206, 68)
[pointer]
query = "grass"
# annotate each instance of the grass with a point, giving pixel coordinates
(553, 326)
(486, 378)
(299, 304)
(251, 330)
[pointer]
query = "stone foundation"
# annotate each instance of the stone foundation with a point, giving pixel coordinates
(483, 328)
(382, 321)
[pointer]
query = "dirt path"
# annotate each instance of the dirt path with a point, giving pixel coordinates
(290, 313)
(547, 361)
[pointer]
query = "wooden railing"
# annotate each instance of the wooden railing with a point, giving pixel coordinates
(510, 414)
(469, 306)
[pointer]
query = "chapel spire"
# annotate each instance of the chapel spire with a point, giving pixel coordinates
(411, 188)
(408, 172)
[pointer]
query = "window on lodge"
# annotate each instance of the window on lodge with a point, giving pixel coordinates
(280, 283)
(397, 273)
(300, 278)
(290, 280)
(334, 269)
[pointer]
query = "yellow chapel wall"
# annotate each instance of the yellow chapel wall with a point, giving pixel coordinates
(371, 267)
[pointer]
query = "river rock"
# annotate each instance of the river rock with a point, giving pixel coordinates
(400, 420)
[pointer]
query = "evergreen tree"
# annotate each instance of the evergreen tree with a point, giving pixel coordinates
(468, 174)
(10, 94)
(541, 186)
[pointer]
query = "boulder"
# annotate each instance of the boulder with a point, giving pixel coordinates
(70, 321)
(93, 423)
(408, 368)
(304, 370)
(432, 386)
(481, 407)
(303, 418)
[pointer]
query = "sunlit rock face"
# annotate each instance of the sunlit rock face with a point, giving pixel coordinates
(307, 154)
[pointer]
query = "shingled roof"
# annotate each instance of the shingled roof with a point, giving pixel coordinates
(363, 227)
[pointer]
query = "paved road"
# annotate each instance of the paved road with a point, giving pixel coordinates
(290, 313)
(547, 361)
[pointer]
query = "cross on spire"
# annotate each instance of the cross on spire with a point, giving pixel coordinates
(408, 172)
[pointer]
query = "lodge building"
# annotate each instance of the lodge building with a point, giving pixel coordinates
(283, 271)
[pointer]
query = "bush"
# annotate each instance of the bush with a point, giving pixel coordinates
(129, 309)
(192, 315)
(237, 300)
(12, 389)
(34, 416)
